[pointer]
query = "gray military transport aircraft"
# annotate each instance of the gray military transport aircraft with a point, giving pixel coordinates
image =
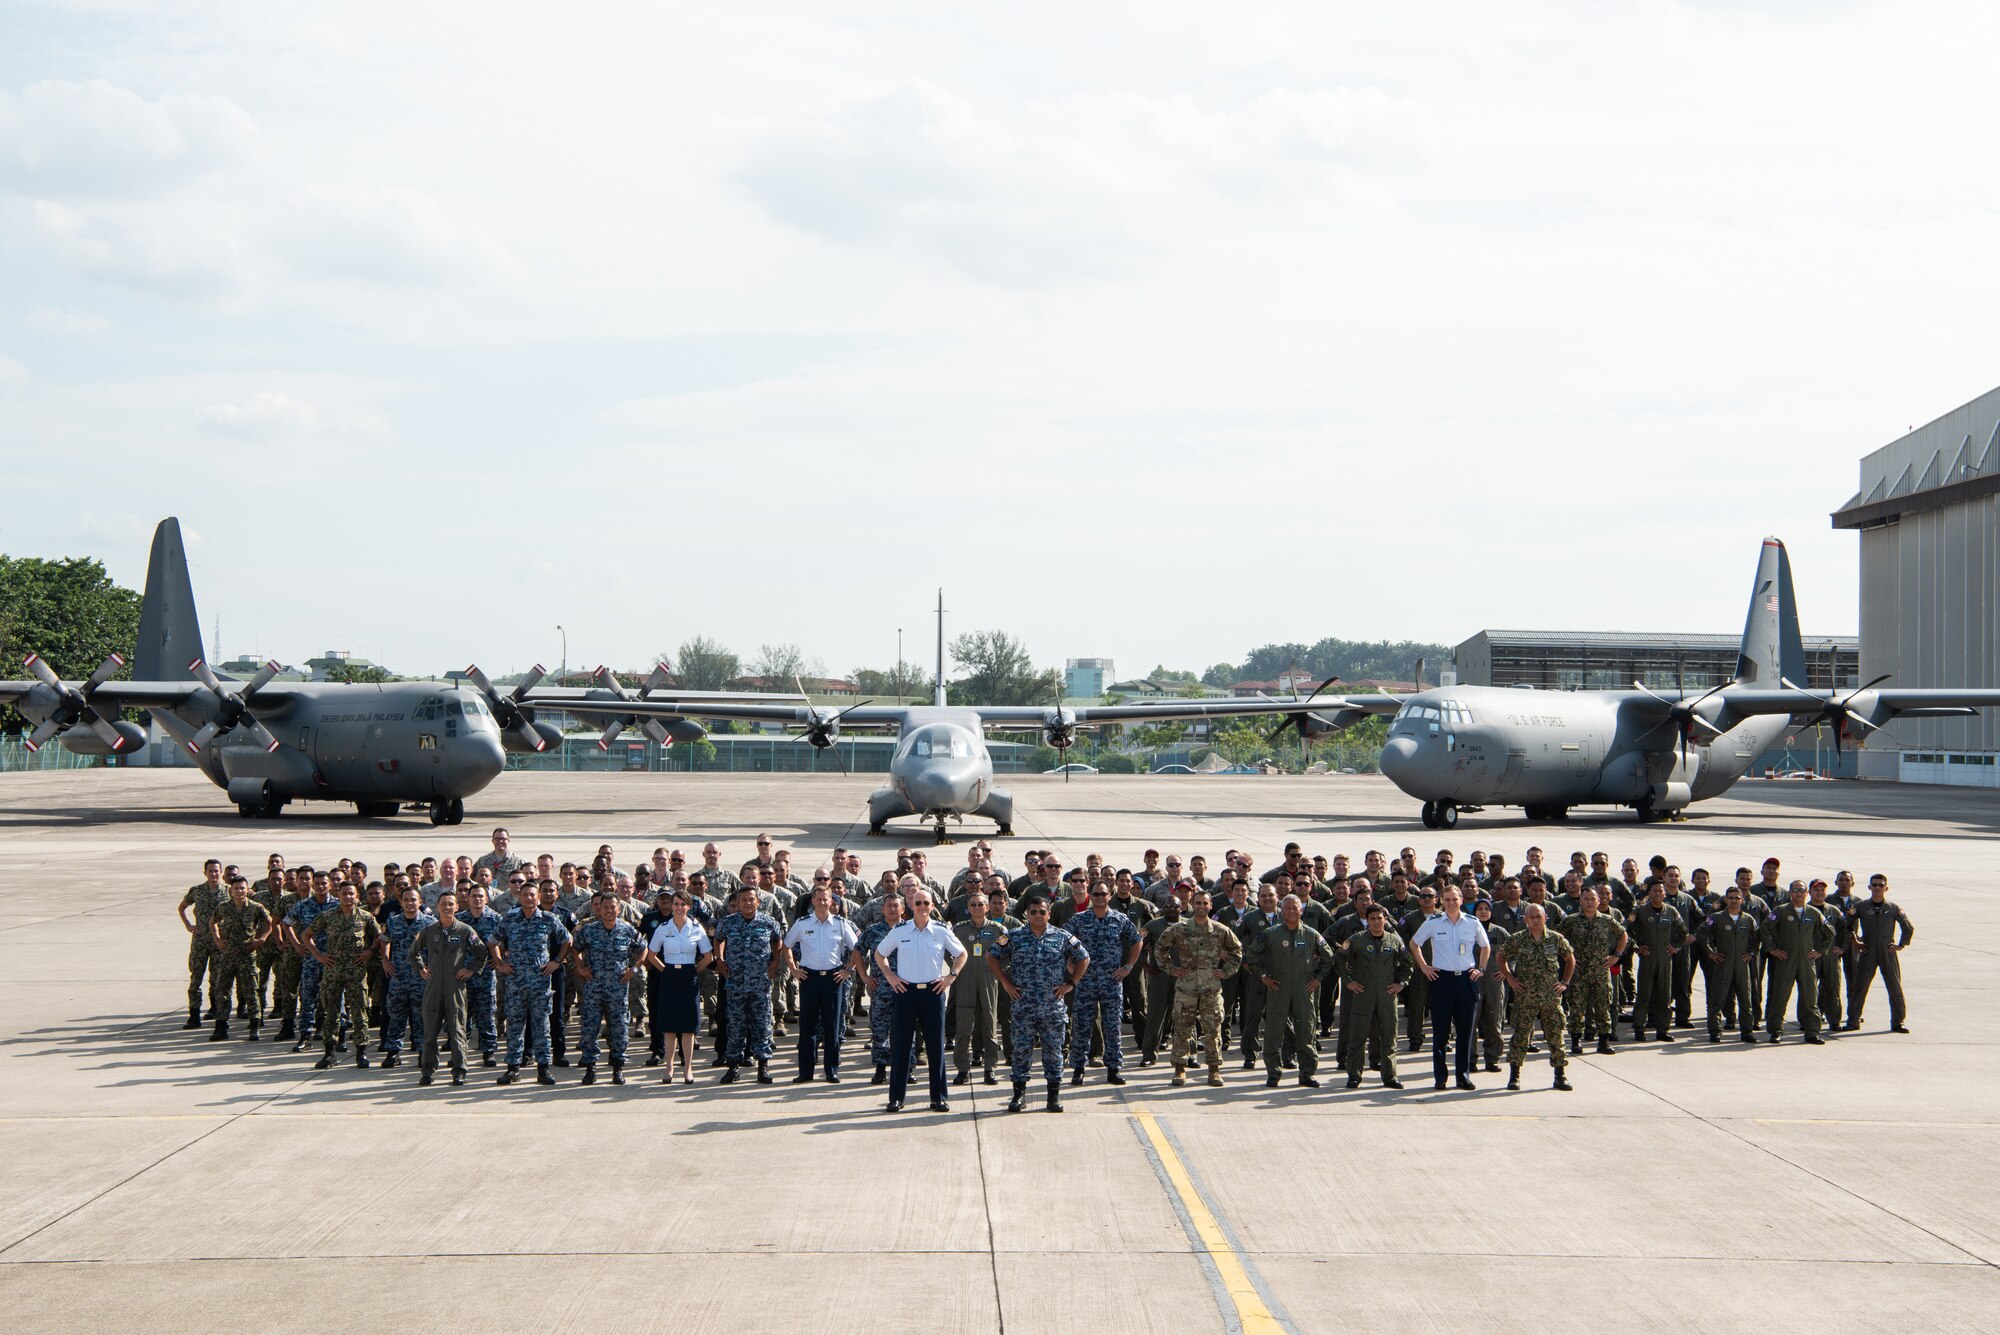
(1466, 748)
(941, 770)
(268, 743)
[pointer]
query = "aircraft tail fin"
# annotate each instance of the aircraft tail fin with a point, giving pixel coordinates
(940, 700)
(169, 626)
(1771, 644)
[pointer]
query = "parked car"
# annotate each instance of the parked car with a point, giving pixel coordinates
(1174, 769)
(1074, 767)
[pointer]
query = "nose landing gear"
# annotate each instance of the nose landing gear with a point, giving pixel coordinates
(448, 811)
(1440, 815)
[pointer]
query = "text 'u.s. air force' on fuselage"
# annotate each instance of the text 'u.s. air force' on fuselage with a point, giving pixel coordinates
(268, 743)
(1465, 748)
(941, 769)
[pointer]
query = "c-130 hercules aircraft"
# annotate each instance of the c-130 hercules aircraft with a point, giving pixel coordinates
(941, 769)
(1466, 748)
(268, 743)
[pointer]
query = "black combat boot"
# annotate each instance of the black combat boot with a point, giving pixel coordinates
(221, 1029)
(326, 1061)
(1076, 1077)
(255, 1025)
(285, 1033)
(990, 1079)
(1354, 1082)
(300, 1044)
(486, 1059)
(509, 1076)
(589, 1074)
(425, 1078)
(1604, 1047)
(458, 1077)
(729, 1076)
(360, 1058)
(1562, 1080)
(881, 1075)
(1055, 1096)
(618, 1073)
(1115, 1078)
(1664, 1036)
(962, 1078)
(542, 1076)
(1513, 1077)
(763, 1071)
(1576, 1045)
(392, 1060)
(194, 1018)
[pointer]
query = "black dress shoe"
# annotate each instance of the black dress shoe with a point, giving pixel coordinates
(424, 1079)
(1354, 1082)
(833, 1077)
(458, 1077)
(562, 1061)
(1895, 1028)
(939, 1105)
(1493, 1066)
(989, 1080)
(881, 1076)
(1440, 1084)
(1270, 1082)
(804, 1078)
(895, 1105)
(1395, 1084)
(1464, 1083)
(962, 1078)
(1308, 1082)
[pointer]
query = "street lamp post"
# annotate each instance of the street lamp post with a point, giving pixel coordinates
(562, 678)
(899, 665)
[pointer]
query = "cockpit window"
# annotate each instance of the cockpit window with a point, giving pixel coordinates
(941, 747)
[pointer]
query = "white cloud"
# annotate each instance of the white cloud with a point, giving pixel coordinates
(260, 416)
(65, 323)
(95, 139)
(388, 237)
(13, 375)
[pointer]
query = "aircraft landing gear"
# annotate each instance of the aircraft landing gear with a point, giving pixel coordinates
(448, 811)
(1430, 815)
(374, 810)
(1440, 815)
(1546, 813)
(875, 829)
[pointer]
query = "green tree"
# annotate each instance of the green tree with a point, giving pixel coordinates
(358, 676)
(998, 671)
(911, 681)
(778, 664)
(67, 611)
(703, 664)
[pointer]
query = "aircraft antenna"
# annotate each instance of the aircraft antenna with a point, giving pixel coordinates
(940, 657)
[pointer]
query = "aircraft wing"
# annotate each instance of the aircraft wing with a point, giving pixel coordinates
(149, 694)
(1877, 705)
(740, 709)
(1027, 716)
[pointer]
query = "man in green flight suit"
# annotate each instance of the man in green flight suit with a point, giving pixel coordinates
(1290, 958)
(1376, 968)
(1795, 936)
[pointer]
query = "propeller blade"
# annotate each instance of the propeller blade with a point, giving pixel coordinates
(480, 680)
(199, 742)
(1278, 731)
(258, 731)
(1696, 718)
(610, 734)
(206, 676)
(44, 730)
(34, 664)
(656, 680)
(849, 710)
(106, 670)
(657, 730)
(104, 730)
(262, 679)
(610, 680)
(1869, 686)
(526, 734)
(528, 683)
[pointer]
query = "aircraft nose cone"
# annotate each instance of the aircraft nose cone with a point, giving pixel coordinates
(937, 788)
(479, 759)
(1399, 760)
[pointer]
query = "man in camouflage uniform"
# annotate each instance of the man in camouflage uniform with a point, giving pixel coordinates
(197, 909)
(749, 951)
(530, 948)
(1200, 954)
(1795, 936)
(406, 984)
(608, 948)
(1098, 1002)
(881, 997)
(501, 862)
(1728, 941)
(1599, 941)
(1038, 967)
(1376, 967)
(1492, 991)
(274, 893)
(297, 925)
(479, 987)
(1290, 958)
(975, 997)
(240, 928)
(351, 934)
(1537, 964)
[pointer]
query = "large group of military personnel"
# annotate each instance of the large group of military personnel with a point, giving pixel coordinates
(494, 955)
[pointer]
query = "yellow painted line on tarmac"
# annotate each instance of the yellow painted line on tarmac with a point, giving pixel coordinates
(1254, 1316)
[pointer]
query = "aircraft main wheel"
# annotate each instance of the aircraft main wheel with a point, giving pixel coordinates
(1537, 813)
(455, 812)
(1430, 815)
(438, 813)
(247, 810)
(1447, 816)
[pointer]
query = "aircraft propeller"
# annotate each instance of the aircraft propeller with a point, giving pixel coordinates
(652, 727)
(824, 728)
(232, 710)
(507, 710)
(1681, 713)
(1836, 711)
(73, 703)
(1295, 719)
(1059, 728)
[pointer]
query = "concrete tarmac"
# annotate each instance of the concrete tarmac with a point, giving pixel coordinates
(158, 1182)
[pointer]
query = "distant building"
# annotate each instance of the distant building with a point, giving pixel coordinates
(813, 685)
(1572, 660)
(249, 665)
(1928, 512)
(1291, 680)
(327, 664)
(1087, 678)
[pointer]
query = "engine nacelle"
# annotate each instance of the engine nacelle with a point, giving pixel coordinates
(683, 730)
(80, 740)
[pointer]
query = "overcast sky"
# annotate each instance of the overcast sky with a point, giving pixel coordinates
(1150, 331)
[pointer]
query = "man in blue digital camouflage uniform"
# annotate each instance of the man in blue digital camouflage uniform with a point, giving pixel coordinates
(748, 943)
(608, 948)
(1038, 968)
(406, 985)
(529, 949)
(1110, 938)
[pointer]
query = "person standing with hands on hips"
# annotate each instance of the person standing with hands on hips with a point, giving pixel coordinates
(1459, 949)
(817, 947)
(926, 959)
